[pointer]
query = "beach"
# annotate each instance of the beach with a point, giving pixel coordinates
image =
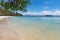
(6, 33)
(30, 28)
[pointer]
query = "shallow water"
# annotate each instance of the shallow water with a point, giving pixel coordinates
(34, 28)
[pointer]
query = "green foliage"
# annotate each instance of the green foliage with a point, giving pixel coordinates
(15, 4)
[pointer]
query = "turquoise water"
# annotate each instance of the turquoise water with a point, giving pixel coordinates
(36, 28)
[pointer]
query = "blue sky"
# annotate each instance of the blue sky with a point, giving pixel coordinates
(44, 7)
(40, 5)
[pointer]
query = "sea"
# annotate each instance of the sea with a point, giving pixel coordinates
(35, 28)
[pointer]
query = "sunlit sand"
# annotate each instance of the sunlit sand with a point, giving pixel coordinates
(6, 33)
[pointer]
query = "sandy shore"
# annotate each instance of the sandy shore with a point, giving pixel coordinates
(6, 32)
(13, 31)
(4, 17)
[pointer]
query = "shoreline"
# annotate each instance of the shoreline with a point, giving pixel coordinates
(4, 17)
(6, 32)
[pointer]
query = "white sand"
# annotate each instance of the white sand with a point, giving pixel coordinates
(6, 33)
(4, 17)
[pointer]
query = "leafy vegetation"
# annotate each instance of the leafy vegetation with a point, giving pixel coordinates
(15, 5)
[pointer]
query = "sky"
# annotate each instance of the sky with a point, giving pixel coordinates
(44, 7)
(40, 5)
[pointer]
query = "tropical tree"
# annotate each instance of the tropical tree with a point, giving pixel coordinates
(15, 5)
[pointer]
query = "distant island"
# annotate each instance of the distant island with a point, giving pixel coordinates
(43, 15)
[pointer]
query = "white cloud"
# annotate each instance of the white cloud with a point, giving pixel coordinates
(57, 12)
(31, 13)
(46, 13)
